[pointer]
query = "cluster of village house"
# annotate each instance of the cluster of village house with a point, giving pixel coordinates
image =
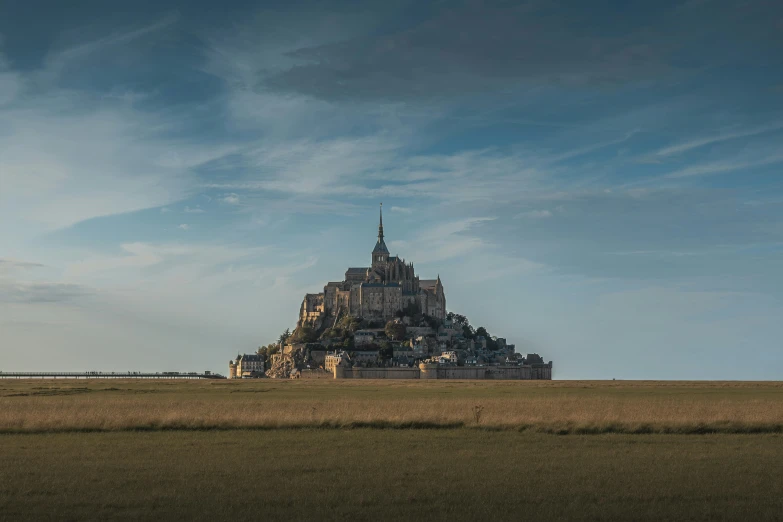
(445, 346)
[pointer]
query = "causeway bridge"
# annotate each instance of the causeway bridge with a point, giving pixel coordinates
(109, 375)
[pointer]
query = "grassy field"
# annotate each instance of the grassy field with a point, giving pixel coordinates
(369, 474)
(220, 450)
(540, 406)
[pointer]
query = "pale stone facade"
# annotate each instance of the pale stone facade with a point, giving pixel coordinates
(378, 292)
(245, 366)
(333, 360)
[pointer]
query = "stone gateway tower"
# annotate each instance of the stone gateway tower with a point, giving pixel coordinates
(389, 285)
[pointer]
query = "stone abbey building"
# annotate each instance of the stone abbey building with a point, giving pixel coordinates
(377, 292)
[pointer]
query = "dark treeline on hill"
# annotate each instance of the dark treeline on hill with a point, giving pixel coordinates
(469, 332)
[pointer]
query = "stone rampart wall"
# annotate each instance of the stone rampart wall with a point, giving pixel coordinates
(315, 374)
(542, 372)
(509, 372)
(432, 371)
(460, 372)
(341, 372)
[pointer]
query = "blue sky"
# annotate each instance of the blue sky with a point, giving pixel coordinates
(600, 184)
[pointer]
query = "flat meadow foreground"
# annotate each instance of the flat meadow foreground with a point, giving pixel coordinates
(36, 406)
(370, 450)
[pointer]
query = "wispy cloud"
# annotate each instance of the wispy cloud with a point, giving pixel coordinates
(12, 265)
(60, 58)
(184, 226)
(140, 255)
(658, 253)
(590, 148)
(535, 214)
(719, 167)
(377, 167)
(718, 138)
(193, 210)
(442, 241)
(41, 292)
(65, 160)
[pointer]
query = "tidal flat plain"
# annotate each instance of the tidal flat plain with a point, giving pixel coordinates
(373, 450)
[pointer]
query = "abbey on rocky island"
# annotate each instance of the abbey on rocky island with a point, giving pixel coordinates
(378, 292)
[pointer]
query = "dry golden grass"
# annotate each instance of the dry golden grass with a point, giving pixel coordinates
(550, 407)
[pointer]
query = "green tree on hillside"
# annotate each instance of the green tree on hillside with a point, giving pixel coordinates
(332, 333)
(457, 319)
(492, 343)
(304, 334)
(387, 351)
(349, 323)
(461, 323)
(468, 331)
(395, 331)
(267, 351)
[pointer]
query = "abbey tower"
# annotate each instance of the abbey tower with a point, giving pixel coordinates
(389, 285)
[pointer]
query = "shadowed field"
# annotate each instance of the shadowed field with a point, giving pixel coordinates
(370, 474)
(35, 406)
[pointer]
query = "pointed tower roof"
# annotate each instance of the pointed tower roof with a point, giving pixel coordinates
(380, 246)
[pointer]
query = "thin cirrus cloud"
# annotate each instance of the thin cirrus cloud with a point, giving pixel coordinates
(719, 138)
(9, 265)
(535, 214)
(68, 56)
(724, 166)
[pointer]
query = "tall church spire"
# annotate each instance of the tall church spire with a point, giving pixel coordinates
(380, 253)
(380, 227)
